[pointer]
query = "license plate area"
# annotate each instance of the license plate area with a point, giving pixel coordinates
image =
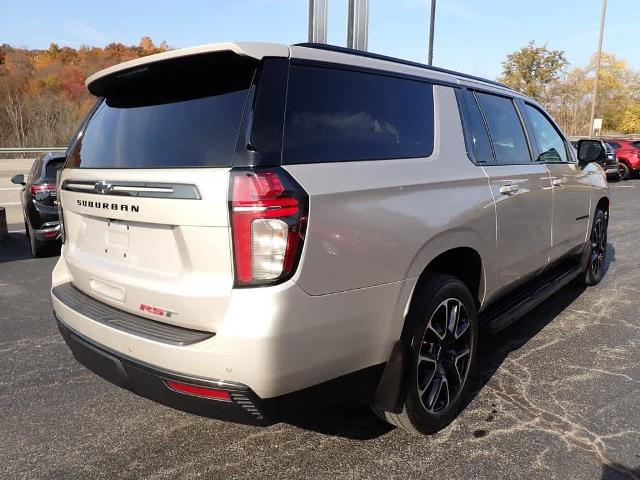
(117, 239)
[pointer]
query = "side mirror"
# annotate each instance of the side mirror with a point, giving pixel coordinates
(18, 179)
(589, 151)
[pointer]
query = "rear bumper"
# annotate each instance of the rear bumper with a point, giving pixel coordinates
(146, 381)
(48, 231)
(275, 340)
(244, 405)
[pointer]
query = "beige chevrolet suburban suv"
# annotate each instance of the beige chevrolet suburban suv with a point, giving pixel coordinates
(253, 231)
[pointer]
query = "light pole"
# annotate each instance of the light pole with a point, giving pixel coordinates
(432, 24)
(318, 21)
(358, 24)
(595, 82)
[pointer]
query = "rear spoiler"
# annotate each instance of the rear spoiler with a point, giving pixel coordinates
(99, 83)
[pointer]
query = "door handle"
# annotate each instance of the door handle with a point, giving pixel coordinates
(510, 188)
(557, 182)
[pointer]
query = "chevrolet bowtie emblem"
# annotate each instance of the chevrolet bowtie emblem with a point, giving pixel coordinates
(102, 187)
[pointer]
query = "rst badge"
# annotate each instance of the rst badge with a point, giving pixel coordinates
(157, 311)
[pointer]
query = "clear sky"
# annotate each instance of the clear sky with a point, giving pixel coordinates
(472, 36)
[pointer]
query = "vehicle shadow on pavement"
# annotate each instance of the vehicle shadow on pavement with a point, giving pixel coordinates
(494, 349)
(14, 248)
(358, 422)
(617, 471)
(350, 420)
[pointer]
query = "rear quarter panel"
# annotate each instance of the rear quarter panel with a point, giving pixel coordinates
(383, 221)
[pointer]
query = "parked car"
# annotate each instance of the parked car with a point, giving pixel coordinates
(39, 203)
(628, 152)
(608, 160)
(313, 224)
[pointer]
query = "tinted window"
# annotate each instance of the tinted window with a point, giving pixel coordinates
(479, 142)
(181, 115)
(636, 144)
(551, 146)
(34, 173)
(52, 168)
(615, 145)
(336, 115)
(507, 134)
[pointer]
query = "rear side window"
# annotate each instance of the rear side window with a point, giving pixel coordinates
(479, 142)
(182, 115)
(34, 173)
(52, 168)
(550, 144)
(337, 115)
(509, 141)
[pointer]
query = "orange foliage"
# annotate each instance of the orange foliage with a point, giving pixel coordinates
(55, 77)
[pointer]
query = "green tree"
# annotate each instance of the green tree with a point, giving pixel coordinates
(533, 70)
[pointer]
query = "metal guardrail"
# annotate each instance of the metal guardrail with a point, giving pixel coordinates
(33, 150)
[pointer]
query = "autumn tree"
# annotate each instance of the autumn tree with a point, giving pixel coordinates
(532, 70)
(630, 122)
(541, 73)
(42, 92)
(615, 89)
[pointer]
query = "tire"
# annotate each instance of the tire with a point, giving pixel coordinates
(624, 171)
(38, 247)
(596, 251)
(438, 371)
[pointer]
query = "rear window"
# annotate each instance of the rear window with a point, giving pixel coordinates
(52, 168)
(337, 115)
(184, 115)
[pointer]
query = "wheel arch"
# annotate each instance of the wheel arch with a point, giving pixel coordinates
(462, 253)
(603, 204)
(462, 262)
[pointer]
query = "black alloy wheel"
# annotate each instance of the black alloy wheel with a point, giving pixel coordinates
(443, 360)
(623, 171)
(595, 254)
(440, 338)
(598, 246)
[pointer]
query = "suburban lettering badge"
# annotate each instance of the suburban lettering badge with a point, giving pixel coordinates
(123, 207)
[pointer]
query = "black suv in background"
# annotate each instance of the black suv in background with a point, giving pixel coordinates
(39, 203)
(608, 160)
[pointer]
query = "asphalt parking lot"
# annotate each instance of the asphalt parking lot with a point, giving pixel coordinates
(557, 396)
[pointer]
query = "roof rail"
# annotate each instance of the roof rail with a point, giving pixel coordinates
(377, 56)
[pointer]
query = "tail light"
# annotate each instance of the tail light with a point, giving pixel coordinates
(42, 191)
(59, 206)
(268, 220)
